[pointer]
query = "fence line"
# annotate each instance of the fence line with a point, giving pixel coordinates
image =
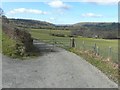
(105, 52)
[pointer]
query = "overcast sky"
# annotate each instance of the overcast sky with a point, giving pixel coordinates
(60, 12)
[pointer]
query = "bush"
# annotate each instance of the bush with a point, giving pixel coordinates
(58, 35)
(16, 42)
(72, 35)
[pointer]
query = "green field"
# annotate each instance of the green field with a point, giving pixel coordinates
(89, 43)
(106, 48)
(46, 31)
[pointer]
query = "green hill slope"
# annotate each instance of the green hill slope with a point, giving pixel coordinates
(87, 29)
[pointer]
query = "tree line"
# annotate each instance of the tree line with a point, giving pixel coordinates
(88, 29)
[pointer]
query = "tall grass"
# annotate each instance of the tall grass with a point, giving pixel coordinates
(8, 46)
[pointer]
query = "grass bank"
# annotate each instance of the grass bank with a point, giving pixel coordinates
(9, 48)
(106, 66)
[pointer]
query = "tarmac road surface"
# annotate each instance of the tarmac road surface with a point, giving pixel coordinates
(59, 69)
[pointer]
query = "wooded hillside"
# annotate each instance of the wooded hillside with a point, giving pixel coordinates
(88, 29)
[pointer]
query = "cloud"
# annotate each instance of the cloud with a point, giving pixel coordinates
(24, 10)
(92, 15)
(52, 19)
(58, 4)
(102, 1)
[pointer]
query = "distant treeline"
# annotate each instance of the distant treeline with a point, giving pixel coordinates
(97, 30)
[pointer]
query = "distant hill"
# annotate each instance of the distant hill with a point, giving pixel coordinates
(26, 23)
(98, 25)
(86, 29)
(101, 30)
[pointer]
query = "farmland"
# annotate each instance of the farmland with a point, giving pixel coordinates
(107, 48)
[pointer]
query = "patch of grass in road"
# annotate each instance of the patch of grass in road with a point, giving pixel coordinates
(107, 67)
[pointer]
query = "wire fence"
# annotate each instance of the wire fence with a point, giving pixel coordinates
(104, 52)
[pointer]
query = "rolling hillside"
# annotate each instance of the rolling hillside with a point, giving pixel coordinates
(101, 30)
(87, 29)
(25, 23)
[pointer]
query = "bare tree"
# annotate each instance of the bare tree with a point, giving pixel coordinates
(1, 12)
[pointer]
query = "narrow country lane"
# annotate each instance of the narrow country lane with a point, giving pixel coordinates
(59, 69)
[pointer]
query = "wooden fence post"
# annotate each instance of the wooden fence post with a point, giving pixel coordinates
(53, 43)
(70, 42)
(97, 50)
(83, 45)
(73, 42)
(94, 48)
(109, 52)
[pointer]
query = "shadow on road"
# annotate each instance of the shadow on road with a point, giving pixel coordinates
(45, 48)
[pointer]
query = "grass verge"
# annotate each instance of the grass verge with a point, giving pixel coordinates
(8, 46)
(106, 66)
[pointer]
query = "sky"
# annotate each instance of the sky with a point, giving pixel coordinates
(64, 12)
